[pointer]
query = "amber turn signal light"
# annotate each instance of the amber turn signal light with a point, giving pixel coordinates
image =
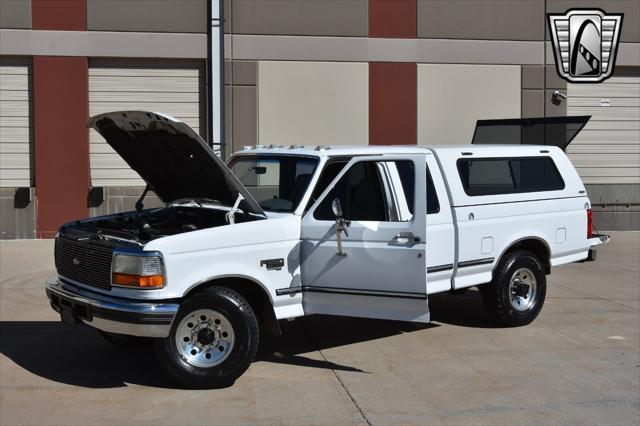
(146, 281)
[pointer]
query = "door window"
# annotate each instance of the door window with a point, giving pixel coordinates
(329, 173)
(368, 191)
(433, 205)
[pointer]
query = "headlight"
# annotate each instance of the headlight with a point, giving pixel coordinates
(137, 271)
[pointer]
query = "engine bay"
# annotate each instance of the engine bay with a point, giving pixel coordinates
(147, 225)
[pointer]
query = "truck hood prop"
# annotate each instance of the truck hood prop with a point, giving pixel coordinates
(172, 158)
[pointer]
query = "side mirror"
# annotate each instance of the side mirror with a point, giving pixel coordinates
(342, 225)
(336, 207)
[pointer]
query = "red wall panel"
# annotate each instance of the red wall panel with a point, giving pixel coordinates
(393, 18)
(70, 15)
(392, 85)
(61, 111)
(392, 103)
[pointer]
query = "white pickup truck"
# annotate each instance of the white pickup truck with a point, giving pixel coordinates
(282, 232)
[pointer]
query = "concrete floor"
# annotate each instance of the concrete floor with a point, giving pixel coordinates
(578, 363)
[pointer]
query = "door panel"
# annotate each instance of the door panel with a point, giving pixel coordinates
(382, 274)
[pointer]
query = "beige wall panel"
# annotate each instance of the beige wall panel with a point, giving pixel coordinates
(451, 98)
(15, 125)
(173, 90)
(313, 103)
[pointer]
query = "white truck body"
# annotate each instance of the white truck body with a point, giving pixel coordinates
(387, 268)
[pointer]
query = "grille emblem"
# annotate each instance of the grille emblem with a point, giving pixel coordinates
(585, 43)
(76, 261)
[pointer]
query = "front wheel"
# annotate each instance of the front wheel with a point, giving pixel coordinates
(517, 292)
(213, 340)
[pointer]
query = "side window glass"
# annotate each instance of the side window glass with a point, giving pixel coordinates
(329, 173)
(365, 192)
(486, 177)
(493, 176)
(433, 205)
(407, 174)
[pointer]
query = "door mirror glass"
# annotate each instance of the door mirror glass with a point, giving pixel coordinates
(336, 207)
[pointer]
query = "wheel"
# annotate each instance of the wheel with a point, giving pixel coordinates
(517, 292)
(213, 339)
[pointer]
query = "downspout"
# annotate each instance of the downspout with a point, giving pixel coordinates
(215, 77)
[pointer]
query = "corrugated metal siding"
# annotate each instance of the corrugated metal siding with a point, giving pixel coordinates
(608, 149)
(15, 125)
(174, 90)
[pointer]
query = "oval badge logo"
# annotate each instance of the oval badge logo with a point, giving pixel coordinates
(76, 261)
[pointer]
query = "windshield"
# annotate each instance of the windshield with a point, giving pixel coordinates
(278, 183)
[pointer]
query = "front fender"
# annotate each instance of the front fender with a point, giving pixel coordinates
(240, 251)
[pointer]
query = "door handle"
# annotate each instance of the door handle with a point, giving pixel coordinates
(407, 236)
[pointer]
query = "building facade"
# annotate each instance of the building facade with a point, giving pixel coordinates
(306, 72)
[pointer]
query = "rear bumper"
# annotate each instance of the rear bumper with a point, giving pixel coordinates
(594, 241)
(598, 239)
(110, 314)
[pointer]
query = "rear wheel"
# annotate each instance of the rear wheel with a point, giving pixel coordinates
(213, 340)
(517, 292)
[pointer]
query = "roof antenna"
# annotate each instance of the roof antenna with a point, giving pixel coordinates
(139, 204)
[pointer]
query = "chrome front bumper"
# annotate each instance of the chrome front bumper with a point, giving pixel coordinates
(110, 314)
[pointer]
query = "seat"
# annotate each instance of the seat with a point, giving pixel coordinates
(299, 188)
(367, 202)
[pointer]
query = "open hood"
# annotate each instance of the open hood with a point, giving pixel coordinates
(170, 156)
(556, 131)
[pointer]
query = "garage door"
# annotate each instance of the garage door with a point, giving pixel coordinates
(173, 89)
(608, 148)
(15, 125)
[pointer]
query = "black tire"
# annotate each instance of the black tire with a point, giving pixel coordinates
(498, 295)
(239, 314)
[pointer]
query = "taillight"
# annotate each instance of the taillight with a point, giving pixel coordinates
(589, 223)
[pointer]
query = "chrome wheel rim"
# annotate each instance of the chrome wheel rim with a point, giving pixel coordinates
(204, 338)
(522, 289)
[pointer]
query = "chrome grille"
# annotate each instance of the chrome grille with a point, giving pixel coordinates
(84, 262)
